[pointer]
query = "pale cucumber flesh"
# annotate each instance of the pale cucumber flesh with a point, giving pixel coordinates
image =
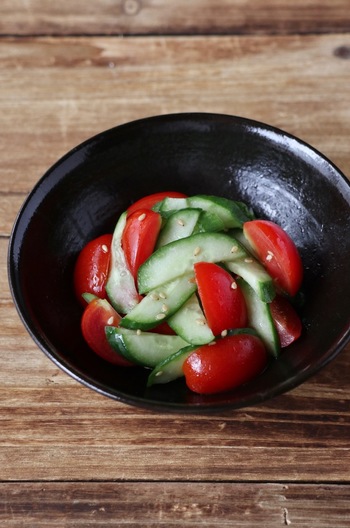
(120, 285)
(260, 318)
(143, 348)
(160, 303)
(190, 323)
(178, 258)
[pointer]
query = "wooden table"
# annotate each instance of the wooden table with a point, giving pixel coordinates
(68, 456)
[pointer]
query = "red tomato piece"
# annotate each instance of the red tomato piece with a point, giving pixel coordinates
(277, 252)
(97, 315)
(230, 362)
(91, 268)
(147, 202)
(140, 236)
(163, 328)
(287, 321)
(222, 299)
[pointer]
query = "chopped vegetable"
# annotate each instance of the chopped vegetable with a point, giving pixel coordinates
(192, 286)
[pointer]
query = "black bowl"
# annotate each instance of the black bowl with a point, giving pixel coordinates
(81, 196)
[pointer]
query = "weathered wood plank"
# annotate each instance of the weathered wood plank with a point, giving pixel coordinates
(170, 504)
(21, 17)
(55, 94)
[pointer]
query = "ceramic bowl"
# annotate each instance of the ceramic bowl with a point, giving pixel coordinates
(81, 196)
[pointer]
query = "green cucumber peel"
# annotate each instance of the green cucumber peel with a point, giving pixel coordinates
(171, 368)
(178, 258)
(146, 349)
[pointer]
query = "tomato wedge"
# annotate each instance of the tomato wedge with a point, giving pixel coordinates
(287, 321)
(147, 202)
(140, 236)
(91, 268)
(97, 315)
(277, 252)
(230, 362)
(222, 299)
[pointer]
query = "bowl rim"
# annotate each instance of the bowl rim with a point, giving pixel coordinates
(140, 401)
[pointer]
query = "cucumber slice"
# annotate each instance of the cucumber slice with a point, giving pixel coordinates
(178, 257)
(159, 304)
(232, 213)
(180, 224)
(260, 318)
(169, 205)
(120, 285)
(143, 348)
(209, 222)
(255, 274)
(171, 368)
(239, 235)
(189, 322)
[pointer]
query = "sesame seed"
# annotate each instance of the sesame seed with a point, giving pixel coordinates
(155, 296)
(196, 251)
(138, 332)
(200, 322)
(165, 308)
(162, 295)
(104, 248)
(234, 249)
(110, 320)
(224, 333)
(248, 260)
(159, 373)
(269, 255)
(160, 316)
(181, 222)
(234, 285)
(142, 216)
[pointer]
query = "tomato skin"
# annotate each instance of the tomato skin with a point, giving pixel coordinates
(91, 268)
(147, 202)
(140, 236)
(221, 297)
(286, 319)
(277, 252)
(230, 362)
(97, 315)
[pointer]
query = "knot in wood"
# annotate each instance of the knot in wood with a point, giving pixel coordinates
(131, 7)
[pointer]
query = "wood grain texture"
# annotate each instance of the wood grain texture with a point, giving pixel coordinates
(34, 17)
(167, 504)
(56, 93)
(52, 428)
(69, 456)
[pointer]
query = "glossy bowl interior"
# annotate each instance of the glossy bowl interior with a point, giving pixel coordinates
(81, 196)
